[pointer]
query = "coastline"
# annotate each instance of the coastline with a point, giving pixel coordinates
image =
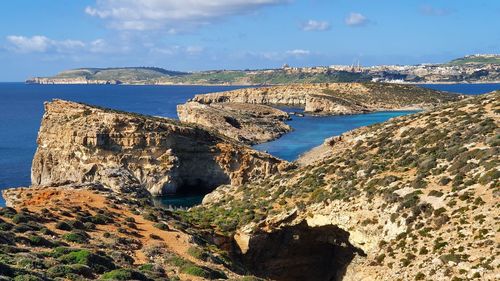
(259, 85)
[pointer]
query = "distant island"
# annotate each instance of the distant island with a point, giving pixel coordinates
(469, 69)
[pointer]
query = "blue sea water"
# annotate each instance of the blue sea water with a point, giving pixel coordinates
(311, 131)
(21, 110)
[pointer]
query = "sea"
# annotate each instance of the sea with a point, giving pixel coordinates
(21, 110)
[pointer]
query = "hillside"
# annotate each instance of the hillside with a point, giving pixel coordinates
(414, 198)
(88, 232)
(476, 68)
(124, 74)
(335, 98)
(107, 75)
(477, 59)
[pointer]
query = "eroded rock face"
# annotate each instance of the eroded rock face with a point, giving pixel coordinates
(247, 123)
(299, 253)
(416, 194)
(336, 98)
(78, 143)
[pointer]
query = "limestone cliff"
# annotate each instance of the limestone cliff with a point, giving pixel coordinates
(414, 198)
(78, 143)
(69, 81)
(247, 123)
(336, 98)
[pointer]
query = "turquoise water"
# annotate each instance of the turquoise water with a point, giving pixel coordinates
(311, 131)
(21, 109)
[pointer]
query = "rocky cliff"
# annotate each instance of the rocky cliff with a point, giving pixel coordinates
(414, 198)
(78, 143)
(67, 81)
(336, 98)
(247, 123)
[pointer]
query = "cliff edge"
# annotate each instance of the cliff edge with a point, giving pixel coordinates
(336, 98)
(78, 143)
(414, 198)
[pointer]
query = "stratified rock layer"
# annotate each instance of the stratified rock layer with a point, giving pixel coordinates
(78, 143)
(248, 123)
(414, 198)
(336, 98)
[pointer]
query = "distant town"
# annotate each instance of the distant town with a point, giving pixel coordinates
(479, 68)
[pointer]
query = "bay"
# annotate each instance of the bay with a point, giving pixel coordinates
(21, 110)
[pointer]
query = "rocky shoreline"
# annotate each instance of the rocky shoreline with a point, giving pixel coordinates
(411, 198)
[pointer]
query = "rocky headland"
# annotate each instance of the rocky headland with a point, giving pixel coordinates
(245, 115)
(78, 143)
(414, 198)
(336, 98)
(70, 81)
(247, 123)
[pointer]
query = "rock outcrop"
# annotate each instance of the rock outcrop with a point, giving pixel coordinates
(336, 98)
(247, 123)
(413, 198)
(70, 81)
(78, 143)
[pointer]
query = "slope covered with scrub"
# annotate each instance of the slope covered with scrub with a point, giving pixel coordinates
(414, 198)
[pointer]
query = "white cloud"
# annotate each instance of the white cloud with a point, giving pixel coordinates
(298, 52)
(171, 15)
(278, 56)
(194, 50)
(27, 45)
(429, 10)
(176, 50)
(314, 25)
(356, 19)
(43, 44)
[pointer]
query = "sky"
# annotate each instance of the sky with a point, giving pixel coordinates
(44, 37)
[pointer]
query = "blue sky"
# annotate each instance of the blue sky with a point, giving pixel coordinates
(43, 37)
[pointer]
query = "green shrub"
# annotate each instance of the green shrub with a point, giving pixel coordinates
(7, 212)
(161, 226)
(146, 267)
(101, 219)
(420, 276)
(444, 181)
(197, 253)
(196, 271)
(84, 257)
(59, 251)
(39, 241)
(21, 218)
(489, 176)
(79, 237)
(435, 193)
(5, 226)
(89, 225)
(130, 219)
(450, 257)
(124, 274)
(70, 271)
(27, 277)
(150, 217)
(6, 270)
(62, 225)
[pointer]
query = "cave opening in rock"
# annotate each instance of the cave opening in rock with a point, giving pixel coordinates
(300, 253)
(187, 194)
(196, 176)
